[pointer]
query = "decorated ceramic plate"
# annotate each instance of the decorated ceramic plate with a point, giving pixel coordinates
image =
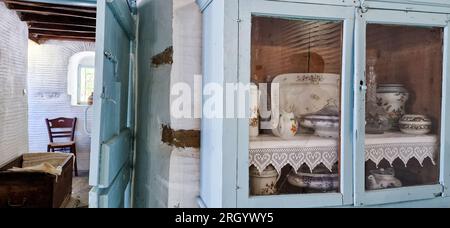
(304, 94)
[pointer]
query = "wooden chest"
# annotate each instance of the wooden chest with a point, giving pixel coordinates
(36, 189)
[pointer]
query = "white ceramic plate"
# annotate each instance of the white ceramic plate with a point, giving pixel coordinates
(304, 94)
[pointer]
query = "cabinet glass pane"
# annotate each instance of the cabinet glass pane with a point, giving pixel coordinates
(403, 105)
(295, 104)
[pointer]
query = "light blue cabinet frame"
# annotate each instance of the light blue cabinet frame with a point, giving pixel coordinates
(445, 138)
(292, 10)
(435, 6)
(397, 17)
(225, 142)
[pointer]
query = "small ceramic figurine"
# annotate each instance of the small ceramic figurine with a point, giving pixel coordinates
(287, 126)
(91, 99)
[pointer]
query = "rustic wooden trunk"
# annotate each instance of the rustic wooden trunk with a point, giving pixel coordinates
(34, 189)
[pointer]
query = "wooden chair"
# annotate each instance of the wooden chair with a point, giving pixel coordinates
(62, 128)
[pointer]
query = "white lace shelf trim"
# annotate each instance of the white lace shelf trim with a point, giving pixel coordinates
(403, 151)
(313, 151)
(295, 157)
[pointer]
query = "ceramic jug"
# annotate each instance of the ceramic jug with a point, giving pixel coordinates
(287, 125)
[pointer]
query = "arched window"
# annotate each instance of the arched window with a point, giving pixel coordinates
(81, 74)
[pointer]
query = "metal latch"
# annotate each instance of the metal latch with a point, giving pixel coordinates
(109, 56)
(105, 97)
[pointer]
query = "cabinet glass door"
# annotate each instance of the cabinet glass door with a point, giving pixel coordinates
(296, 65)
(403, 106)
(299, 64)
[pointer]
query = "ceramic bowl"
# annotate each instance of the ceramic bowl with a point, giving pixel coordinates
(324, 126)
(415, 124)
(321, 182)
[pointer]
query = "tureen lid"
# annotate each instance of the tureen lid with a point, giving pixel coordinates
(416, 119)
(391, 88)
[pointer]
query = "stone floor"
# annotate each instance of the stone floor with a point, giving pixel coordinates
(81, 188)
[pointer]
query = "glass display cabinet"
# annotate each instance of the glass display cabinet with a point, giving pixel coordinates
(344, 103)
(401, 60)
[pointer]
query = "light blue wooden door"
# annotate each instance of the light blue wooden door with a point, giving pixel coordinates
(111, 146)
(401, 19)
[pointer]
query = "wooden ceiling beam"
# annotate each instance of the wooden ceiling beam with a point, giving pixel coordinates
(62, 33)
(60, 27)
(44, 38)
(53, 6)
(50, 12)
(29, 18)
(55, 21)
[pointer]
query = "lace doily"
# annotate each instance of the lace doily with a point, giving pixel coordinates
(313, 151)
(392, 146)
(309, 150)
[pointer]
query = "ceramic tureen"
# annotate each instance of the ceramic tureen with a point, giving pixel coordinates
(321, 180)
(324, 126)
(382, 179)
(415, 124)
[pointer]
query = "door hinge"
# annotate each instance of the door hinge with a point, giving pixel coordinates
(363, 8)
(238, 20)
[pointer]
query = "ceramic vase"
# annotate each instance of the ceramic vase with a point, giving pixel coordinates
(393, 98)
(263, 183)
(254, 113)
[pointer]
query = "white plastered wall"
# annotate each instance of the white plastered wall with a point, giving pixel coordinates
(48, 66)
(166, 176)
(184, 174)
(13, 84)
